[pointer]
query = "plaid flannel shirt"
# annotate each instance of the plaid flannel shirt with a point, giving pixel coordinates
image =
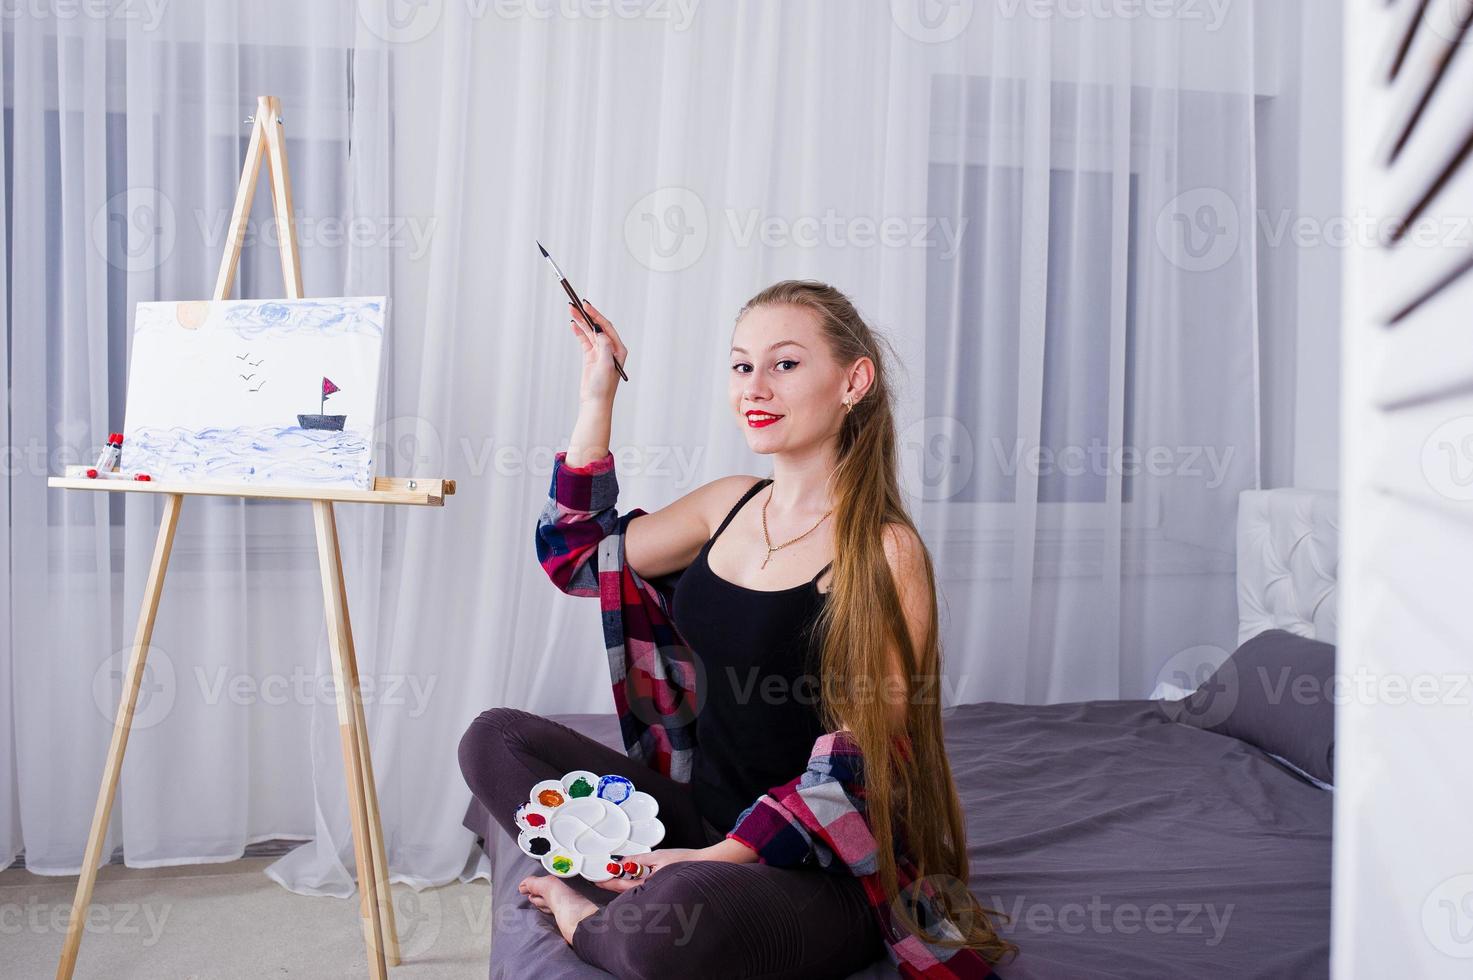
(819, 815)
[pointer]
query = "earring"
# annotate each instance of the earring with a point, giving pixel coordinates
(848, 406)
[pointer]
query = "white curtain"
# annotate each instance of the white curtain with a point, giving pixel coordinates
(124, 135)
(1049, 216)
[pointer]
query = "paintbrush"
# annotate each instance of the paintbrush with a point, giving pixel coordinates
(568, 288)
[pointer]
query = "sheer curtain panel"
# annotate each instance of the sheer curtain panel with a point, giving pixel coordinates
(1049, 215)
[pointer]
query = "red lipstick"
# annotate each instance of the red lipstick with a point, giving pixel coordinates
(758, 420)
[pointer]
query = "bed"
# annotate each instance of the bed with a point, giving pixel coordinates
(1120, 842)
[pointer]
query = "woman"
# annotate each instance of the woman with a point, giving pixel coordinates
(838, 672)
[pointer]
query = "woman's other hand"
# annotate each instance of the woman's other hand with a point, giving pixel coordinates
(652, 862)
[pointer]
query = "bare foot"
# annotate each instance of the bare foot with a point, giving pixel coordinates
(552, 894)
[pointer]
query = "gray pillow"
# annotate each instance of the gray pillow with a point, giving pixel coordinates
(1273, 692)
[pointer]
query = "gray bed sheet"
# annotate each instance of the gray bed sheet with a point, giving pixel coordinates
(1122, 845)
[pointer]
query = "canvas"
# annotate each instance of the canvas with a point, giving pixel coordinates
(275, 392)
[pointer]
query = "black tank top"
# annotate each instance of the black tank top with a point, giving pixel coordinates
(759, 650)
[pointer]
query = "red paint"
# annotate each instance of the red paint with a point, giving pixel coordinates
(144, 477)
(536, 819)
(91, 474)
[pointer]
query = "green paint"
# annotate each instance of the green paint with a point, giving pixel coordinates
(562, 865)
(580, 787)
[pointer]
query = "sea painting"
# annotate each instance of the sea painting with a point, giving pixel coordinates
(279, 392)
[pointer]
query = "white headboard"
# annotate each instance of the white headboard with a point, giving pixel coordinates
(1288, 557)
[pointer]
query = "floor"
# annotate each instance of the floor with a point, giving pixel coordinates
(227, 921)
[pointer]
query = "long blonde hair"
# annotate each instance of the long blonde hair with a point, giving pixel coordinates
(919, 790)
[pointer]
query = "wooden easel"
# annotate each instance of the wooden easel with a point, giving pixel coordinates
(375, 903)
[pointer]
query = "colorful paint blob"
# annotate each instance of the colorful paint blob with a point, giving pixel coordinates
(615, 789)
(562, 864)
(539, 846)
(581, 787)
(550, 797)
(535, 819)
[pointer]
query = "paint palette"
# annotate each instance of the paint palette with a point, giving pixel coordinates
(580, 824)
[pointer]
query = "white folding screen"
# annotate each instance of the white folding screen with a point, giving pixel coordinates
(1403, 876)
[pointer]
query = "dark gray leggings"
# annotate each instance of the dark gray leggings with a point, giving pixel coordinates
(699, 918)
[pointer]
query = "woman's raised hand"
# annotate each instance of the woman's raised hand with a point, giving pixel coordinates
(600, 378)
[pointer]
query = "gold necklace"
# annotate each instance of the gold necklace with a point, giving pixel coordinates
(768, 538)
